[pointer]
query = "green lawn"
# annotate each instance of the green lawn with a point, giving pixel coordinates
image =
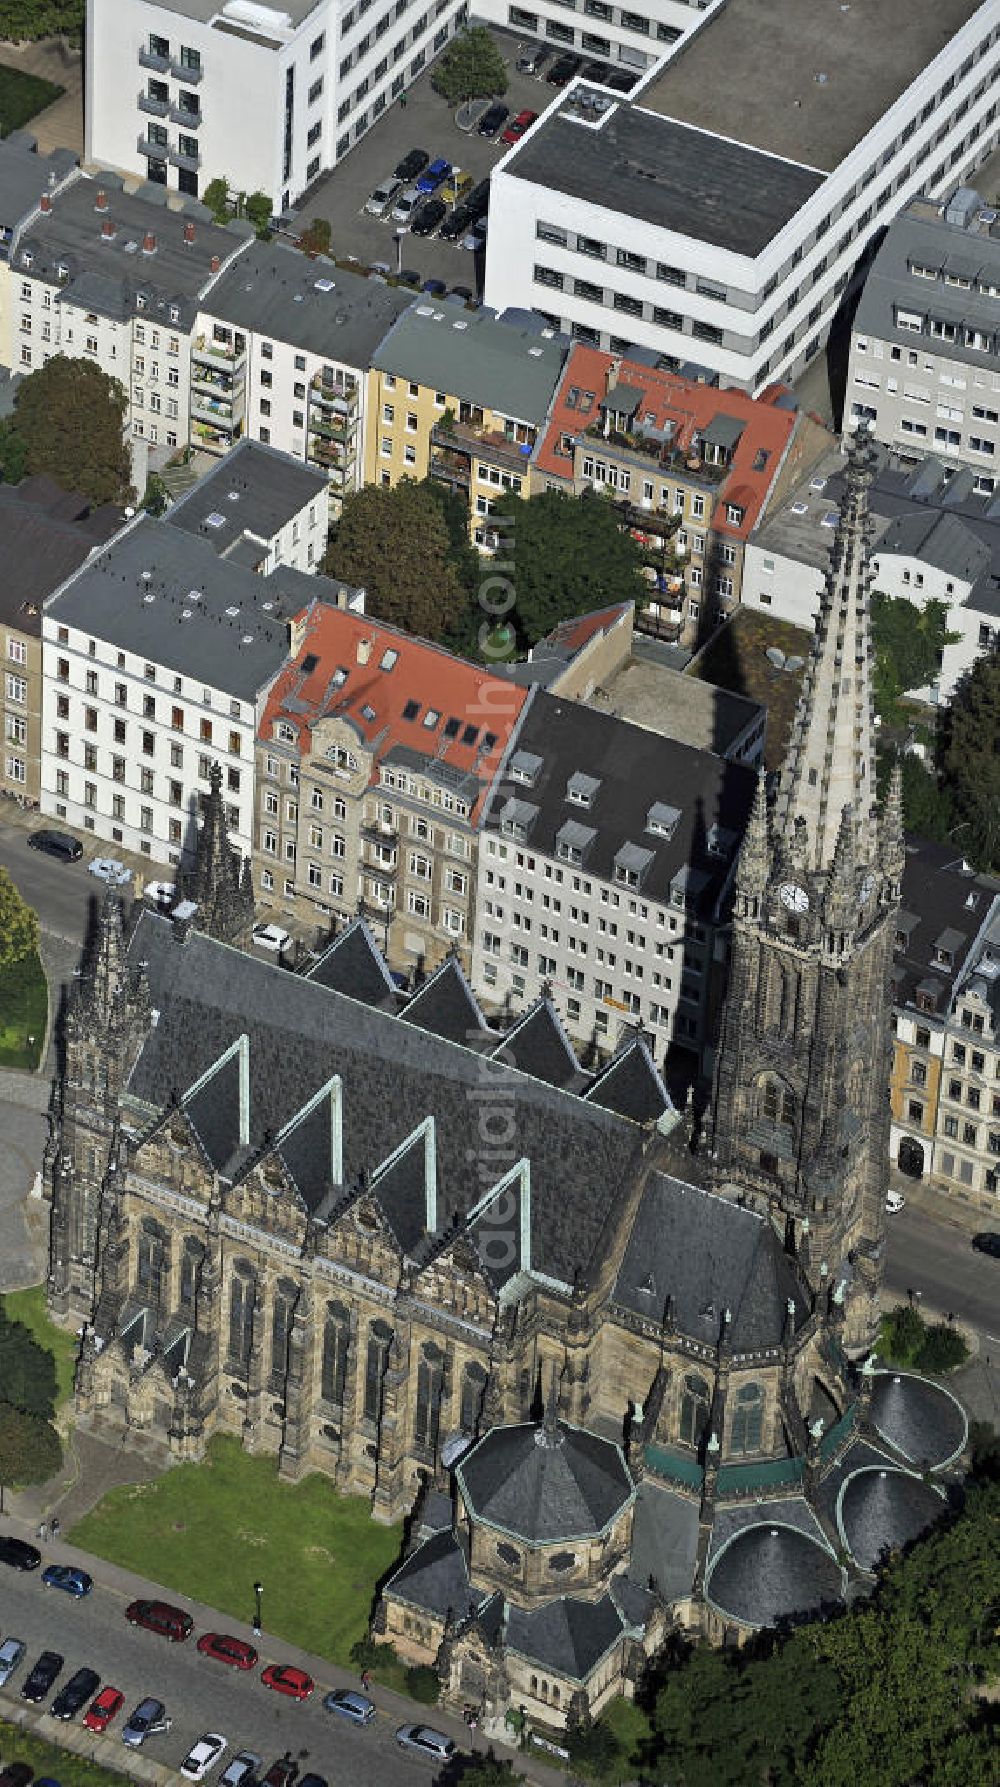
(47, 1760)
(210, 1530)
(22, 97)
(29, 1307)
(24, 1004)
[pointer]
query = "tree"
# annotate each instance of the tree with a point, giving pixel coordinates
(395, 544)
(470, 68)
(903, 1334)
(317, 236)
(257, 207)
(27, 1370)
(18, 923)
(563, 556)
(27, 20)
(971, 762)
(490, 1771)
(13, 452)
(70, 417)
(30, 1448)
(927, 808)
(216, 197)
(594, 1750)
(944, 1349)
(908, 643)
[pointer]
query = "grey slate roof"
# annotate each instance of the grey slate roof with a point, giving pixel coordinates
(664, 1540)
(543, 1487)
(354, 964)
(394, 1076)
(634, 767)
(227, 639)
(922, 1420)
(769, 1573)
(937, 896)
(921, 234)
(434, 1577)
(567, 1636)
(24, 176)
(447, 1006)
(475, 355)
(708, 1254)
(45, 534)
(538, 1044)
(255, 489)
(632, 1085)
(882, 1510)
(272, 291)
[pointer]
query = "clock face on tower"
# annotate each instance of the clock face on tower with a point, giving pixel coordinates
(793, 896)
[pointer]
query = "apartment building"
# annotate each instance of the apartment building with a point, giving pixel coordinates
(375, 754)
(186, 91)
(924, 368)
(691, 468)
(945, 1088)
(936, 533)
(606, 854)
(462, 396)
(260, 509)
(624, 37)
(45, 534)
(281, 353)
(115, 277)
(720, 212)
(24, 177)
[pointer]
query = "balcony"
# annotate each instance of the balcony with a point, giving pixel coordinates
(213, 440)
(377, 833)
(340, 467)
(333, 396)
(189, 120)
(159, 64)
(190, 76)
(154, 151)
(213, 352)
(210, 409)
(333, 428)
(643, 448)
(213, 379)
(178, 159)
(156, 108)
(490, 444)
(452, 468)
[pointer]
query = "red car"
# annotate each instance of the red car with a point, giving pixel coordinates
(517, 126)
(159, 1616)
(234, 1651)
(101, 1711)
(286, 1679)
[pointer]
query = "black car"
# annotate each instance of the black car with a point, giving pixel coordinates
(563, 70)
(597, 71)
(621, 81)
(57, 843)
(409, 276)
(17, 1774)
(478, 201)
(38, 1683)
(456, 223)
(79, 1690)
(988, 1242)
(18, 1553)
(428, 217)
(412, 164)
(493, 120)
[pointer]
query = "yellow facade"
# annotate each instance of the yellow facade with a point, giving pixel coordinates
(914, 1088)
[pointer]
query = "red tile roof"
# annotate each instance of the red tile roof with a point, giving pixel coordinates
(690, 408)
(388, 685)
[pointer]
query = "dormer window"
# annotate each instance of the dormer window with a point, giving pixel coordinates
(735, 514)
(517, 818)
(662, 820)
(581, 789)
(388, 659)
(573, 841)
(342, 759)
(524, 767)
(631, 863)
(285, 733)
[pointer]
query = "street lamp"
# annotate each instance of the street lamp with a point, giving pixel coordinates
(399, 251)
(258, 1589)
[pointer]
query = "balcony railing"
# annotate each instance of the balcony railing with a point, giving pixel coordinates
(178, 159)
(332, 428)
(190, 76)
(335, 397)
(379, 833)
(221, 413)
(483, 443)
(211, 379)
(213, 351)
(148, 59)
(190, 120)
(664, 454)
(157, 108)
(155, 151)
(452, 467)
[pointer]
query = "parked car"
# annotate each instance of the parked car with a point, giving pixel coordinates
(493, 120)
(17, 1774)
(463, 292)
(72, 1699)
(203, 1756)
(435, 288)
(349, 1705)
(454, 189)
(406, 204)
(281, 1773)
(66, 1576)
(988, 1241)
(58, 844)
(241, 1769)
(456, 223)
(533, 59)
(412, 164)
(381, 199)
(18, 1553)
(234, 1651)
(410, 276)
(38, 1683)
(517, 126)
(563, 70)
(159, 1616)
(894, 1201)
(285, 1678)
(148, 1719)
(110, 870)
(428, 217)
(598, 72)
(106, 1707)
(475, 239)
(433, 176)
(11, 1657)
(160, 894)
(621, 81)
(272, 938)
(426, 1741)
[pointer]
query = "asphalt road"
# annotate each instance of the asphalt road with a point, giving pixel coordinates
(936, 1257)
(61, 893)
(199, 1695)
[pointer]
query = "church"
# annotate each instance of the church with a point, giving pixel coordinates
(616, 1363)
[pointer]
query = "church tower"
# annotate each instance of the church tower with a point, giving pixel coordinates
(222, 890)
(801, 1103)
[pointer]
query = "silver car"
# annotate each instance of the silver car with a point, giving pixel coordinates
(11, 1656)
(241, 1769)
(406, 204)
(382, 197)
(426, 1742)
(148, 1720)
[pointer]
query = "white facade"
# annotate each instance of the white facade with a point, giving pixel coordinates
(265, 96)
(633, 36)
(752, 320)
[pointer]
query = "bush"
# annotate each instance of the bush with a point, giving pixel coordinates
(943, 1349)
(902, 1336)
(422, 1684)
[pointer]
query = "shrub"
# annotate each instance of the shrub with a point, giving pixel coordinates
(943, 1349)
(422, 1684)
(903, 1334)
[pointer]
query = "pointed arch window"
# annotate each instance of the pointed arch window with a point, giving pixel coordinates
(242, 1296)
(336, 1344)
(473, 1391)
(150, 1261)
(777, 1102)
(430, 1381)
(282, 1310)
(694, 1410)
(748, 1420)
(376, 1363)
(192, 1256)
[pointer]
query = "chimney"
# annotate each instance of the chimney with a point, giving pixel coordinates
(364, 650)
(108, 231)
(297, 632)
(214, 264)
(45, 202)
(101, 201)
(611, 376)
(149, 243)
(189, 231)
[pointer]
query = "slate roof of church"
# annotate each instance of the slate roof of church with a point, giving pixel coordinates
(447, 1006)
(542, 1486)
(882, 1509)
(922, 1420)
(771, 1572)
(567, 1636)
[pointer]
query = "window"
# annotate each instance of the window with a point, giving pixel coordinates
(693, 1423)
(242, 1297)
(748, 1420)
(376, 1361)
(336, 1346)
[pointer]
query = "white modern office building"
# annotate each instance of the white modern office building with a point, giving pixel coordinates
(265, 96)
(634, 36)
(719, 214)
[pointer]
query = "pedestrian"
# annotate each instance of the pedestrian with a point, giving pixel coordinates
(402, 102)
(55, 1527)
(43, 1531)
(366, 1680)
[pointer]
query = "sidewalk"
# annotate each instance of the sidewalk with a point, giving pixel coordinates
(944, 1206)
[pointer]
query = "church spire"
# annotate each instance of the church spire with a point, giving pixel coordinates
(104, 983)
(831, 755)
(754, 863)
(224, 897)
(892, 845)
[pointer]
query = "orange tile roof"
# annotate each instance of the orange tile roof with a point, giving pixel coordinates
(388, 684)
(690, 407)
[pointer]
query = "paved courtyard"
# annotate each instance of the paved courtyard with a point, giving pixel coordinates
(60, 126)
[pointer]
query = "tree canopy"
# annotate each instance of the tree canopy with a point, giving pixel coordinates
(30, 1448)
(216, 197)
(470, 68)
(908, 643)
(490, 1770)
(564, 555)
(68, 421)
(970, 762)
(396, 544)
(18, 923)
(317, 236)
(22, 20)
(27, 1370)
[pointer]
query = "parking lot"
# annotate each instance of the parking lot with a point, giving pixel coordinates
(426, 122)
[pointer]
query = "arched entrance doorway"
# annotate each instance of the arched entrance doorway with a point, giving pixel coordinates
(911, 1158)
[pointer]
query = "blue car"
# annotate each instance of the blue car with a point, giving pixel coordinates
(432, 177)
(67, 1576)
